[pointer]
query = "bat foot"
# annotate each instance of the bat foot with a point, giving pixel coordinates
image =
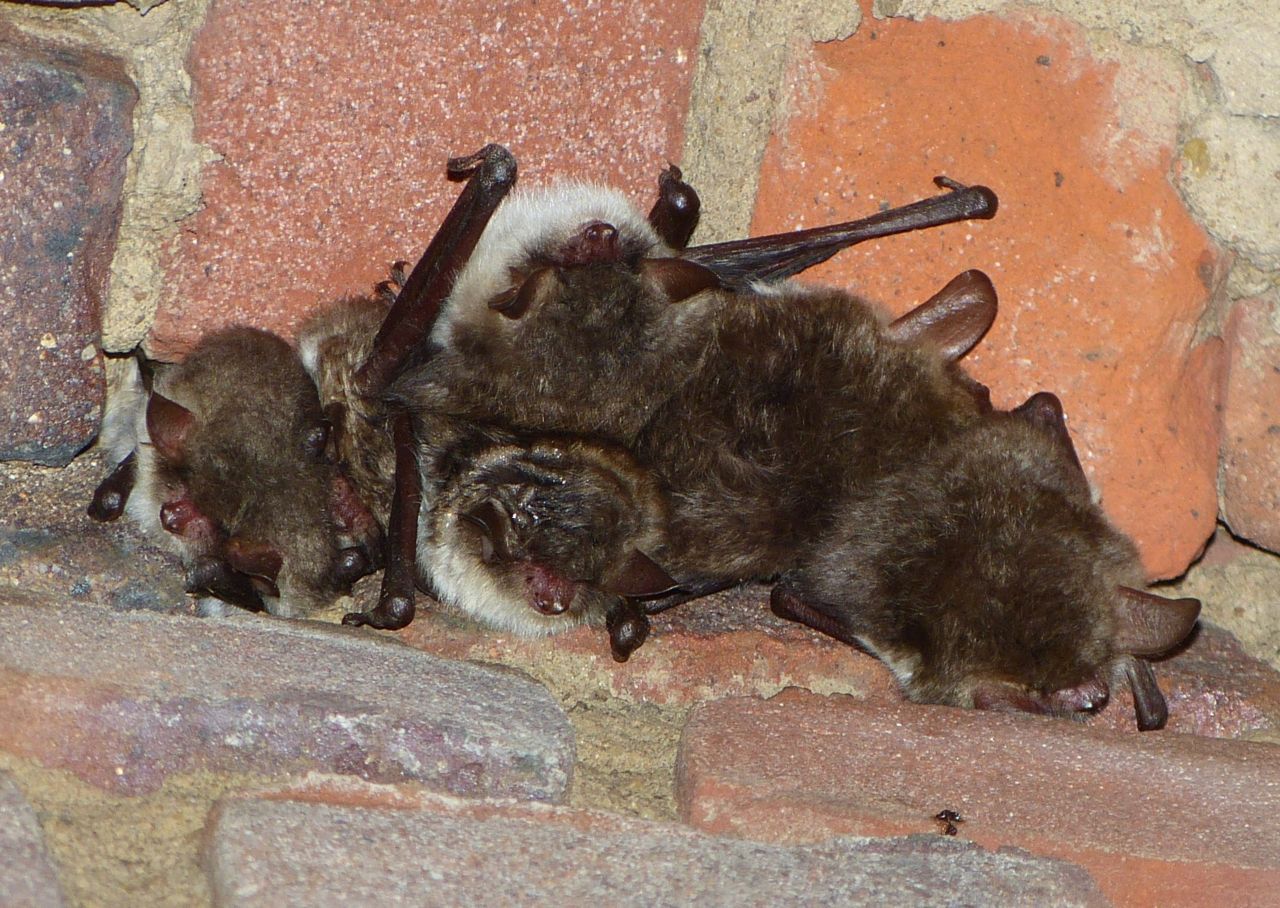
(628, 629)
(390, 614)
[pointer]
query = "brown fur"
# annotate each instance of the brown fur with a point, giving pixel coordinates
(245, 463)
(982, 561)
(568, 517)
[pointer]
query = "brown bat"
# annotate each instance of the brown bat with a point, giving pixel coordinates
(223, 461)
(561, 316)
(984, 575)
(536, 536)
(768, 410)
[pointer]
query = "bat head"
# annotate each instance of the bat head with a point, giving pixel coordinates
(992, 580)
(541, 536)
(235, 476)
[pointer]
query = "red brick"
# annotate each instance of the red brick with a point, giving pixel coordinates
(433, 850)
(334, 122)
(731, 645)
(1101, 271)
(721, 646)
(1158, 818)
(1251, 423)
(65, 131)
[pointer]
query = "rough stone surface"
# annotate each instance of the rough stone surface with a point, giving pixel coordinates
(1158, 818)
(64, 136)
(124, 700)
(730, 645)
(334, 122)
(50, 547)
(722, 646)
(27, 877)
(1239, 588)
(450, 852)
(1251, 422)
(1102, 273)
(740, 92)
(1229, 176)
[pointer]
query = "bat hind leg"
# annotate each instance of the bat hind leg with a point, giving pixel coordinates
(111, 496)
(628, 628)
(786, 603)
(675, 215)
(395, 608)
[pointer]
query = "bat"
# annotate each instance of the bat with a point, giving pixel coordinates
(533, 536)
(984, 575)
(769, 411)
(222, 460)
(551, 287)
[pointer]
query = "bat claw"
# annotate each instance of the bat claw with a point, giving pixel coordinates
(984, 201)
(390, 614)
(628, 628)
(497, 161)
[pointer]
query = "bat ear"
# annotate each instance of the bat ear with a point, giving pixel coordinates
(954, 319)
(518, 300)
(1045, 410)
(1148, 701)
(168, 424)
(680, 279)
(1147, 625)
(494, 525)
(259, 561)
(641, 578)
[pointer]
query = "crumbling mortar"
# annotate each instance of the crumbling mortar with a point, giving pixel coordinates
(740, 95)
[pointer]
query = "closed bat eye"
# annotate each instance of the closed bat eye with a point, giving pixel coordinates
(494, 525)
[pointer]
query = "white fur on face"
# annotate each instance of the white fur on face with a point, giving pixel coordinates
(538, 219)
(461, 579)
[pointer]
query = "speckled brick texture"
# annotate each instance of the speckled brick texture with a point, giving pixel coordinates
(1251, 423)
(1158, 818)
(64, 134)
(731, 645)
(1102, 273)
(27, 877)
(125, 700)
(448, 852)
(334, 121)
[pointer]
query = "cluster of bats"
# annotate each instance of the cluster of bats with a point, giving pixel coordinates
(565, 414)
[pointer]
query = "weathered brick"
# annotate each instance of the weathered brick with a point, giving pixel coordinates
(1251, 423)
(124, 700)
(27, 877)
(1158, 818)
(334, 122)
(65, 131)
(451, 852)
(1102, 273)
(731, 645)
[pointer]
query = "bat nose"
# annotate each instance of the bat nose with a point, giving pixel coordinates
(595, 241)
(550, 606)
(1088, 696)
